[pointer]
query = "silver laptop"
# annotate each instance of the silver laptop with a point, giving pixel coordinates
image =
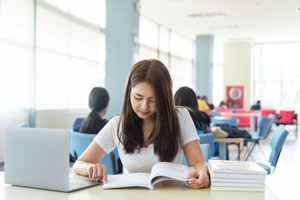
(39, 158)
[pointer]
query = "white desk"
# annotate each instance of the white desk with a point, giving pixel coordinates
(251, 115)
(222, 145)
(165, 190)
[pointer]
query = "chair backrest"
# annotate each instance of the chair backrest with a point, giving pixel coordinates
(267, 112)
(232, 121)
(287, 116)
(264, 126)
(244, 121)
(205, 150)
(208, 138)
(277, 142)
(23, 125)
(80, 141)
(77, 124)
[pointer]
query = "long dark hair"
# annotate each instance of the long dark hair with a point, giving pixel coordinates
(165, 135)
(98, 100)
(185, 96)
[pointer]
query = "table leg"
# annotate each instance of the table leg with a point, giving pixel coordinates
(222, 150)
(252, 124)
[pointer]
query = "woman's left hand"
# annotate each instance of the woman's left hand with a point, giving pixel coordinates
(201, 179)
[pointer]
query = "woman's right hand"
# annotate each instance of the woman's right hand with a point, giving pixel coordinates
(97, 171)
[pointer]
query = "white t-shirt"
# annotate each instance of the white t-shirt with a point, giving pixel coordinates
(143, 160)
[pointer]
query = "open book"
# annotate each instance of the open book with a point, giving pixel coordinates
(160, 172)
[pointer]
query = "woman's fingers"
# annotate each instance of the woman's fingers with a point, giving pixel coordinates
(97, 171)
(201, 181)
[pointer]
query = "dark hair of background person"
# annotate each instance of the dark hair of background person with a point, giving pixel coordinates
(185, 96)
(98, 100)
(165, 135)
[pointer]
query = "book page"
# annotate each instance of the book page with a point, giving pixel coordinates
(127, 180)
(168, 171)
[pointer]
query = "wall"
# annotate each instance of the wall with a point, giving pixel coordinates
(62, 119)
(237, 67)
(10, 118)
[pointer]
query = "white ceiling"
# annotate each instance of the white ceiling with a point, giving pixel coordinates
(243, 20)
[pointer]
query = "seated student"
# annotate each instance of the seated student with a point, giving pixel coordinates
(210, 105)
(185, 96)
(98, 103)
(148, 130)
(202, 106)
(222, 106)
(256, 106)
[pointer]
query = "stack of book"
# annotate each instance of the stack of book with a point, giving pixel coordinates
(236, 175)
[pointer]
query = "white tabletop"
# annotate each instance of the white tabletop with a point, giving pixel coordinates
(164, 190)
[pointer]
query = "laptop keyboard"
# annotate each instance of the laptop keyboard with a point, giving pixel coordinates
(81, 183)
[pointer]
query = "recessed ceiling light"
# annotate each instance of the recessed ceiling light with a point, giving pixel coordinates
(298, 9)
(200, 15)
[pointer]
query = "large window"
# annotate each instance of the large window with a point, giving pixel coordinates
(60, 67)
(70, 56)
(174, 50)
(276, 74)
(16, 53)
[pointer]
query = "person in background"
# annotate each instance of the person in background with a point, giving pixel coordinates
(256, 106)
(222, 106)
(185, 96)
(98, 103)
(210, 105)
(148, 130)
(202, 106)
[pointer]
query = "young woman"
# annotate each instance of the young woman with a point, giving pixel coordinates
(149, 129)
(98, 103)
(185, 96)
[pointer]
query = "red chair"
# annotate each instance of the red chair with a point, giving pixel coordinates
(266, 112)
(288, 117)
(244, 121)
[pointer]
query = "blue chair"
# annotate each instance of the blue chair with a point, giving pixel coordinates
(77, 124)
(205, 150)
(263, 129)
(80, 141)
(23, 125)
(277, 142)
(232, 121)
(208, 138)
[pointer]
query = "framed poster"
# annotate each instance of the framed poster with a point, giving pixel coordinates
(235, 96)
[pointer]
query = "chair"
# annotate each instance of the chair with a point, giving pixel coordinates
(80, 141)
(208, 138)
(288, 117)
(205, 150)
(263, 129)
(277, 142)
(77, 124)
(244, 121)
(232, 121)
(267, 112)
(23, 125)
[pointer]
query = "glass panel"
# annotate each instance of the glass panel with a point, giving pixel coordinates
(148, 33)
(93, 11)
(52, 80)
(181, 46)
(164, 39)
(17, 77)
(181, 72)
(147, 53)
(164, 58)
(52, 31)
